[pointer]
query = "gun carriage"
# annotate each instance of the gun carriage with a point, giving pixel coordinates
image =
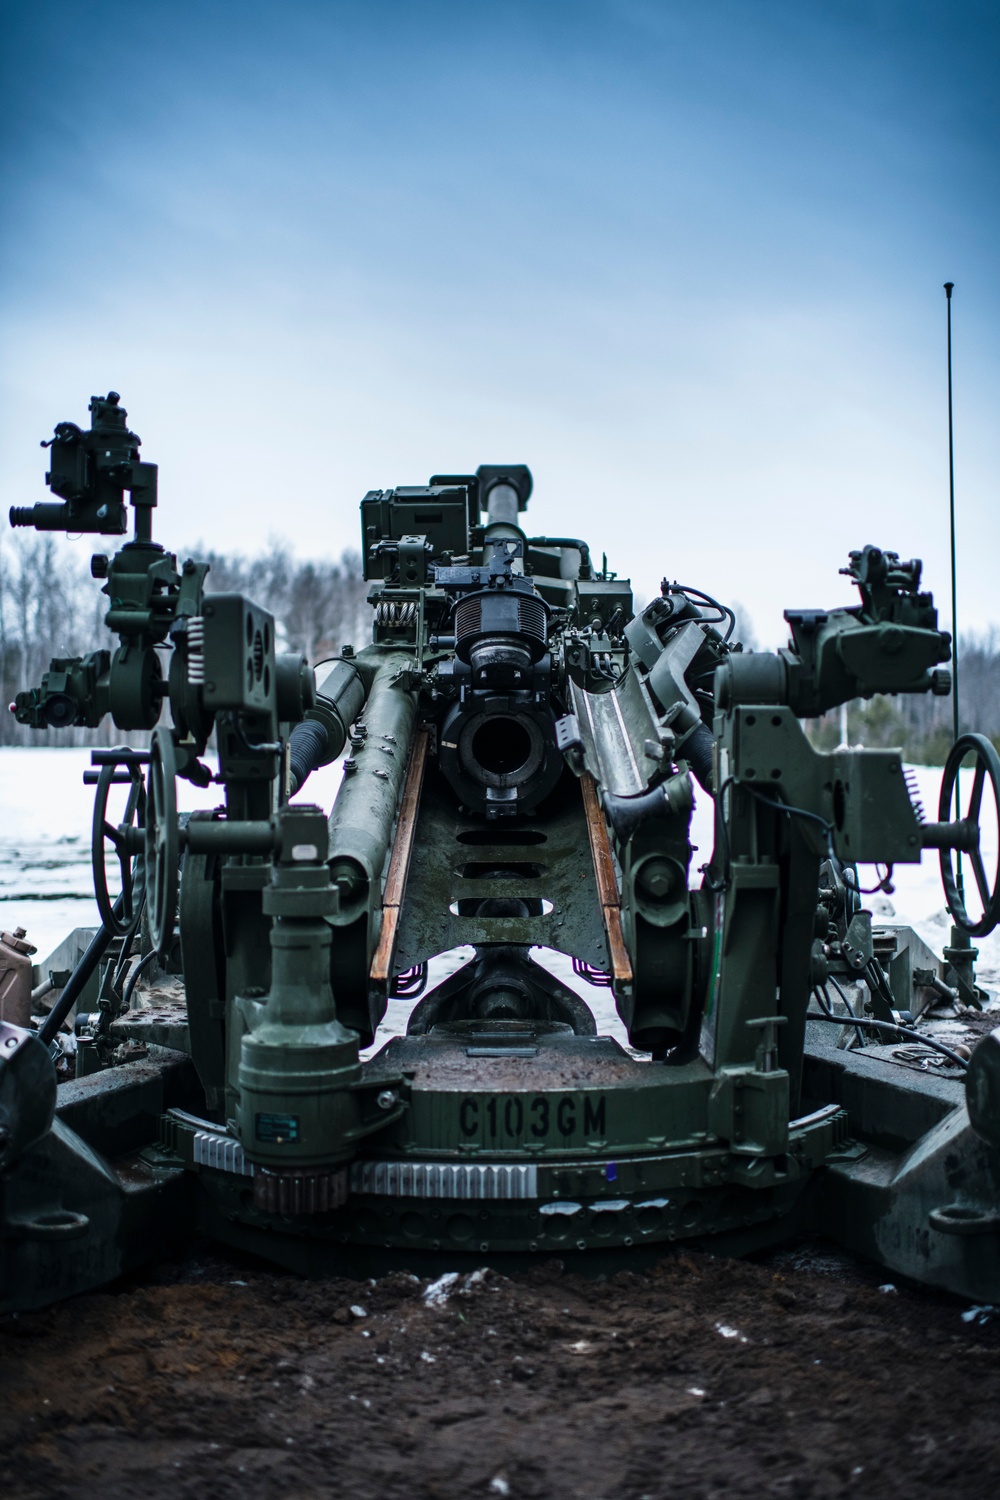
(523, 754)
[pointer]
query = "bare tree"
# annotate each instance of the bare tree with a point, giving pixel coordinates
(50, 607)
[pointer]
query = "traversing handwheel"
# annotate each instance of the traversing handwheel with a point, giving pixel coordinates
(162, 841)
(986, 763)
(103, 831)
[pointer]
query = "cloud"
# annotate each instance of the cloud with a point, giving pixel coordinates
(686, 263)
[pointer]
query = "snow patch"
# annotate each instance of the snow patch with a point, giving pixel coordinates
(728, 1332)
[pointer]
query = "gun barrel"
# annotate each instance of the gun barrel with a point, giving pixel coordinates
(502, 503)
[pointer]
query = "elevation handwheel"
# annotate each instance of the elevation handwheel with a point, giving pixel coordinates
(162, 841)
(987, 763)
(104, 832)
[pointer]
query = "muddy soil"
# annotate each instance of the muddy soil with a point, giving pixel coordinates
(217, 1376)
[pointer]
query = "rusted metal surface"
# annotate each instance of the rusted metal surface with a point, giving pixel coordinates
(607, 884)
(15, 978)
(399, 860)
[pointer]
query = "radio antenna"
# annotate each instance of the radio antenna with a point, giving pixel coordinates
(949, 287)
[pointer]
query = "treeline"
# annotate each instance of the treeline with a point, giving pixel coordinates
(919, 723)
(51, 606)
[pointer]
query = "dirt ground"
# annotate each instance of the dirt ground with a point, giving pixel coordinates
(795, 1375)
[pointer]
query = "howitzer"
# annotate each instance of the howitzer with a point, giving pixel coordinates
(524, 751)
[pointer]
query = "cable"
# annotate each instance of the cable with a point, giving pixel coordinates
(724, 610)
(849, 880)
(850, 1008)
(134, 977)
(843, 996)
(878, 983)
(127, 941)
(139, 902)
(823, 1001)
(272, 748)
(797, 812)
(917, 1036)
(784, 807)
(885, 884)
(771, 802)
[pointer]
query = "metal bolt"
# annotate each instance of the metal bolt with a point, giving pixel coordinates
(658, 878)
(386, 1099)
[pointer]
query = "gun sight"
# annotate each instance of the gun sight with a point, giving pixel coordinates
(90, 471)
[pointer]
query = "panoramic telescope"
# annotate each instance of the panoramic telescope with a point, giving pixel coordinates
(522, 754)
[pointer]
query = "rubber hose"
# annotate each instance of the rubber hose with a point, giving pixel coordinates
(306, 748)
(698, 752)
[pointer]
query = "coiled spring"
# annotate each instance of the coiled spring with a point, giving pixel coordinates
(913, 787)
(395, 613)
(196, 650)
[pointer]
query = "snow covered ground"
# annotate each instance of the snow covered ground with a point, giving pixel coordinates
(45, 879)
(46, 884)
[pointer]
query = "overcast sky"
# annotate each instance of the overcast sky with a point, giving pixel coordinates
(684, 260)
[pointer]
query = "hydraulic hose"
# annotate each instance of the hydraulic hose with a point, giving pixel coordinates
(321, 736)
(892, 1026)
(307, 748)
(586, 569)
(697, 751)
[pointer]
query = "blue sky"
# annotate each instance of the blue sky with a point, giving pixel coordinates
(685, 260)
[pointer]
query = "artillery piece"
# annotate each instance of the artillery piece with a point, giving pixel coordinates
(523, 753)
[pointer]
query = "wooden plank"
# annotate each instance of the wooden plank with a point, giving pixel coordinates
(607, 884)
(399, 860)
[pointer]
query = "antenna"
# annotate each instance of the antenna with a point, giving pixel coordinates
(949, 287)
